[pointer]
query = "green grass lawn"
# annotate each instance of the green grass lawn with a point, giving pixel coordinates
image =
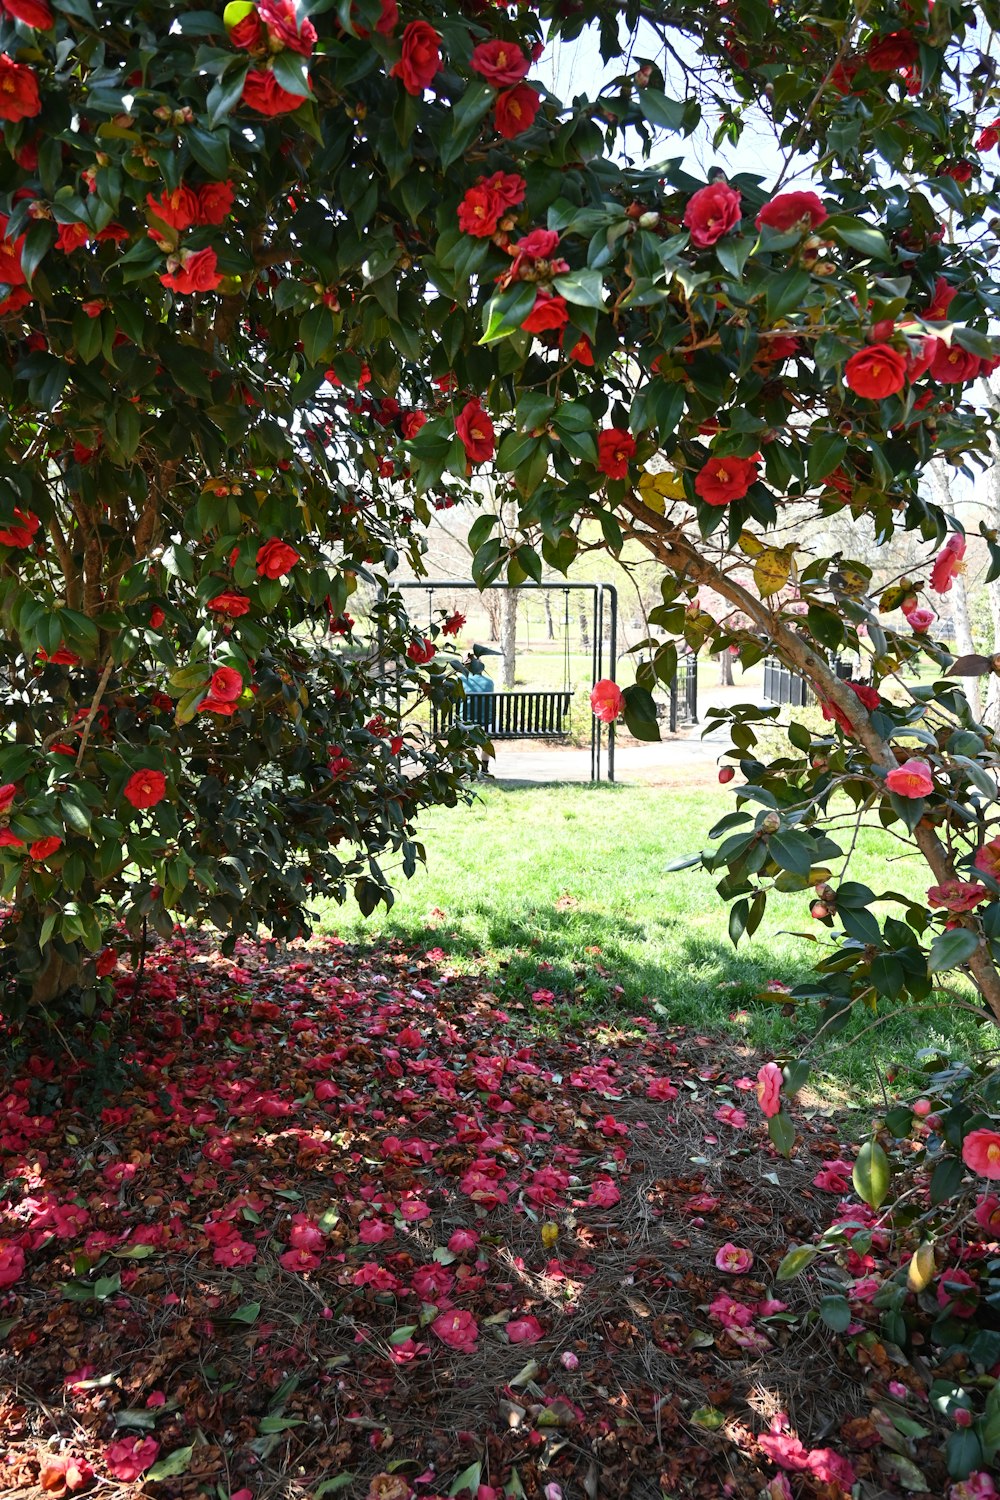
(574, 876)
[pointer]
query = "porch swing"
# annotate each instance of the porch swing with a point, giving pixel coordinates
(517, 714)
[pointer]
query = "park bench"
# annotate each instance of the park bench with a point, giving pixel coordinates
(530, 714)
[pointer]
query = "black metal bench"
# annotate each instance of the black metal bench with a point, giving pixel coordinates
(529, 715)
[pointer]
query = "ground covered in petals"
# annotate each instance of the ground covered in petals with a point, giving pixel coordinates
(353, 1226)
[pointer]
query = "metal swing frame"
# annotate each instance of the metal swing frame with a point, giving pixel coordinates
(541, 713)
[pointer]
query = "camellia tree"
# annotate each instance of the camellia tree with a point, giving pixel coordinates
(276, 284)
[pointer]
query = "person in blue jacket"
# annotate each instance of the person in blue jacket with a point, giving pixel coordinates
(475, 682)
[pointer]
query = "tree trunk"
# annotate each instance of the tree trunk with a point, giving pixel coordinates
(725, 669)
(584, 629)
(678, 554)
(508, 634)
(549, 625)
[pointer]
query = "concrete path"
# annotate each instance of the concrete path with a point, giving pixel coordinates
(686, 759)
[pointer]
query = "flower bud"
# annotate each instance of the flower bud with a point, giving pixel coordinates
(726, 773)
(649, 220)
(771, 823)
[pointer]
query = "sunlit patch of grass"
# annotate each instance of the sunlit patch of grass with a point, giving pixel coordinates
(566, 888)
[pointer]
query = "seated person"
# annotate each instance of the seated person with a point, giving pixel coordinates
(475, 683)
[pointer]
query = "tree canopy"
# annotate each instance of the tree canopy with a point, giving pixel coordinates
(276, 285)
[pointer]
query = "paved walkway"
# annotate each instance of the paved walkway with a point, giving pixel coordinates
(684, 759)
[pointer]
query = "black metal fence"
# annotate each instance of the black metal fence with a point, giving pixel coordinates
(684, 693)
(785, 687)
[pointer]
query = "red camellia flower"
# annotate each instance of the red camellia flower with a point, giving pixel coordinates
(987, 857)
(898, 49)
(156, 617)
(21, 531)
(230, 604)
(458, 1330)
(953, 365)
(8, 791)
(128, 1459)
(179, 208)
(11, 269)
(540, 244)
(615, 448)
(948, 563)
(981, 1153)
(480, 211)
(500, 63)
(452, 626)
(11, 1264)
(712, 212)
(226, 684)
(10, 840)
(412, 422)
(275, 558)
(789, 210)
(548, 312)
(248, 34)
(198, 272)
(284, 26)
(263, 92)
(105, 962)
(912, 779)
(941, 299)
(958, 895)
(920, 620)
(42, 848)
(582, 351)
(421, 651)
(606, 700)
(30, 12)
(988, 137)
(876, 372)
(71, 237)
(19, 97)
(509, 187)
(864, 694)
(724, 479)
(476, 431)
(215, 202)
(959, 171)
(421, 57)
(145, 788)
(515, 110)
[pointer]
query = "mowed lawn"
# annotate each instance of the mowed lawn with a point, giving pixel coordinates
(575, 877)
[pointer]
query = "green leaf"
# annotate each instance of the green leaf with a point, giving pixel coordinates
(792, 851)
(826, 451)
(836, 1313)
(584, 287)
(667, 114)
(175, 1463)
(248, 1313)
(872, 1175)
(37, 242)
(331, 1486)
(316, 330)
(782, 1133)
(640, 713)
(946, 1180)
(950, 949)
(795, 1262)
(858, 235)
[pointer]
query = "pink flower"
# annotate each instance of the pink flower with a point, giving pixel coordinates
(11, 1264)
(912, 779)
(731, 1313)
(432, 1282)
(305, 1235)
(981, 1153)
(463, 1240)
(830, 1468)
(526, 1330)
(948, 563)
(978, 1486)
(958, 895)
(374, 1231)
(769, 1082)
(603, 1194)
(299, 1260)
(734, 1259)
(458, 1330)
(662, 1088)
(920, 620)
(784, 1447)
(413, 1211)
(569, 1360)
(730, 1115)
(130, 1457)
(835, 1177)
(988, 859)
(987, 1214)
